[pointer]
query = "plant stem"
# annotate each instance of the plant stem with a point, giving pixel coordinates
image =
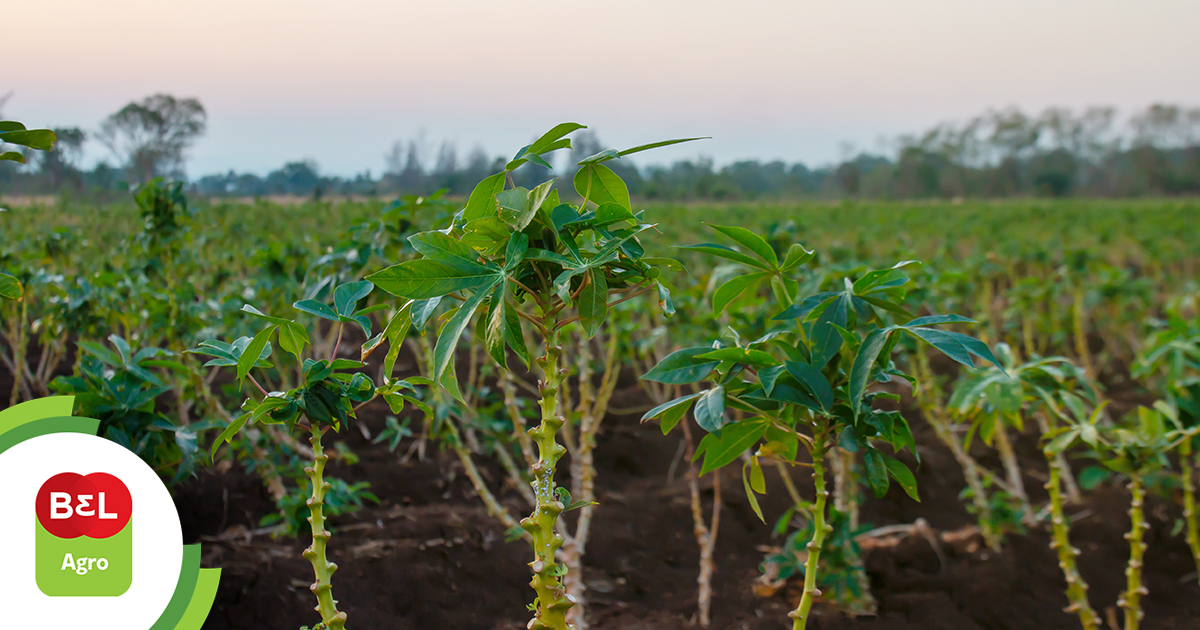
(706, 535)
(927, 398)
(552, 602)
(1189, 499)
(322, 567)
(1076, 587)
(820, 528)
(1131, 600)
(1079, 328)
(1013, 470)
(18, 352)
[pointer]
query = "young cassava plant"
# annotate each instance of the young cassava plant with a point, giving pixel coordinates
(805, 382)
(332, 389)
(521, 257)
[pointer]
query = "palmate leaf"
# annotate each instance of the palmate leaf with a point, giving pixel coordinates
(423, 278)
(957, 346)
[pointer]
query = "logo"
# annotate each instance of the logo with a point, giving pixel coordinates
(84, 537)
(103, 548)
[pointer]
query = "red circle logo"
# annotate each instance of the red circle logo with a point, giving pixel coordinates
(70, 505)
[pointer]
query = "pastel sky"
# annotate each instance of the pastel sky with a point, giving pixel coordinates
(340, 81)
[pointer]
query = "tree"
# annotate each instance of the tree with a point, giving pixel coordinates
(151, 136)
(62, 162)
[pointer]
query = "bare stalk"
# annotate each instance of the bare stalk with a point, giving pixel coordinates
(1189, 498)
(820, 528)
(706, 535)
(934, 413)
(553, 601)
(1077, 588)
(1131, 599)
(323, 569)
(1013, 470)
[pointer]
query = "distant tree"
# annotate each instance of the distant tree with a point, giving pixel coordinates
(61, 164)
(150, 136)
(295, 178)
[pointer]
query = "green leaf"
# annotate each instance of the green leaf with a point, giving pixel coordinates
(504, 327)
(732, 290)
(670, 412)
(751, 241)
(230, 431)
(710, 409)
(10, 288)
(438, 246)
(860, 372)
(423, 278)
(551, 138)
(514, 254)
(877, 472)
(519, 205)
(728, 253)
(796, 256)
(681, 367)
(347, 296)
(293, 338)
(593, 302)
(748, 484)
(258, 345)
(957, 346)
(825, 337)
(757, 358)
(40, 139)
(757, 481)
(902, 475)
(731, 442)
(482, 202)
(663, 143)
(447, 342)
(600, 185)
(12, 156)
(11, 125)
(812, 380)
(314, 307)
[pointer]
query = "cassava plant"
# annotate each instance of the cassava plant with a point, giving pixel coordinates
(1055, 393)
(331, 391)
(523, 257)
(805, 381)
(13, 132)
(1172, 353)
(1135, 448)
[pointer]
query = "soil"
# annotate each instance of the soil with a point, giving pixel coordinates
(429, 556)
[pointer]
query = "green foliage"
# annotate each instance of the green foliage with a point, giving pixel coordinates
(124, 389)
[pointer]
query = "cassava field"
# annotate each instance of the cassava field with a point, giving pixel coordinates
(626, 415)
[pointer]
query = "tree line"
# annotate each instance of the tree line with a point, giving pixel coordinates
(999, 153)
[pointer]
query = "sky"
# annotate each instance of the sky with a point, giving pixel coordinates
(340, 82)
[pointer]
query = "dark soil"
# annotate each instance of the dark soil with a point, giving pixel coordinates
(430, 557)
